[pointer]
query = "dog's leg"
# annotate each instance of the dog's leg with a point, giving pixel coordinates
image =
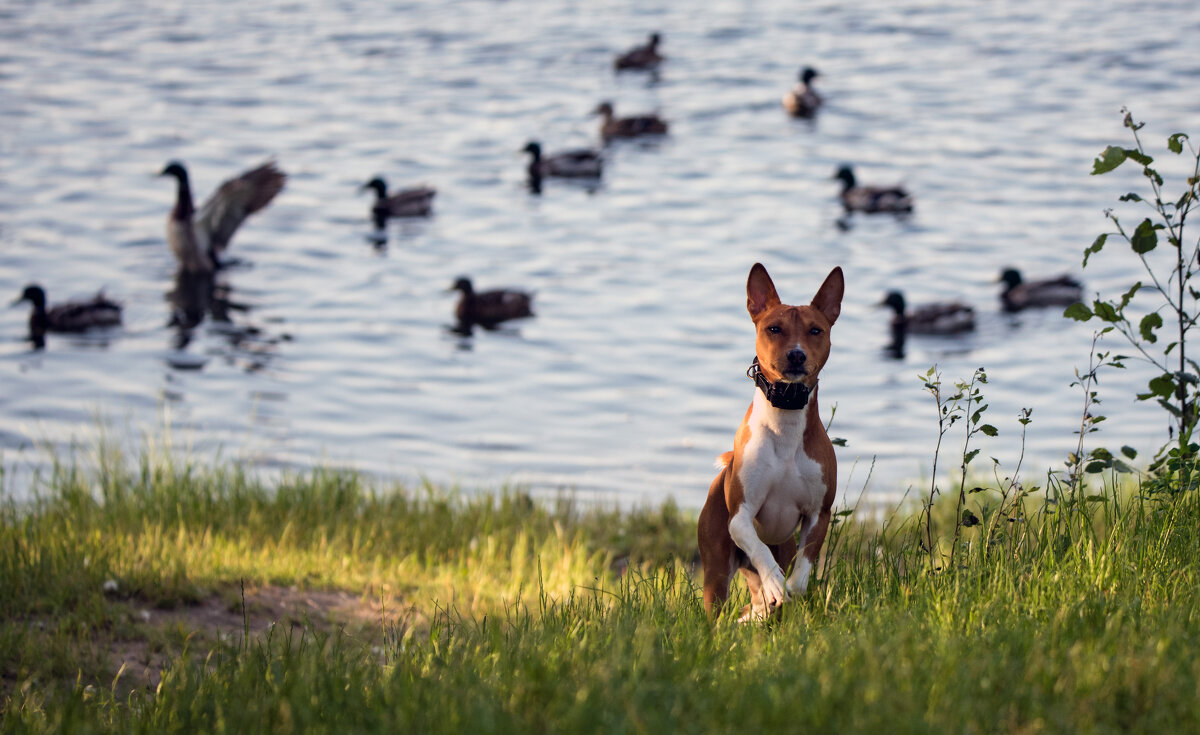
(812, 537)
(785, 555)
(757, 609)
(741, 529)
(717, 551)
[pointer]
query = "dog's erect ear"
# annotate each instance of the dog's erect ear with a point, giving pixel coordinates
(828, 300)
(760, 291)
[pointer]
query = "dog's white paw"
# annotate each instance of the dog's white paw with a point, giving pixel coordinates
(773, 588)
(797, 584)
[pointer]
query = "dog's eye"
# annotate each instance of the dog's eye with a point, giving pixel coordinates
(815, 331)
(774, 329)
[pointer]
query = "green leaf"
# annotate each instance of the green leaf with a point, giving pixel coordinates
(969, 456)
(1128, 295)
(1149, 323)
(1129, 452)
(1175, 142)
(1094, 467)
(1138, 156)
(1105, 311)
(989, 430)
(1144, 237)
(1096, 499)
(1112, 157)
(977, 490)
(1096, 246)
(837, 441)
(1078, 312)
(1169, 407)
(1163, 385)
(1131, 197)
(969, 519)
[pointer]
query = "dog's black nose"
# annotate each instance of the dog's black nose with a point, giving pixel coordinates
(796, 356)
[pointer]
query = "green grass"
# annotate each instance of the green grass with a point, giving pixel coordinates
(1075, 617)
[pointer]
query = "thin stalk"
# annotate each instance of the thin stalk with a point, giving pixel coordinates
(962, 483)
(934, 389)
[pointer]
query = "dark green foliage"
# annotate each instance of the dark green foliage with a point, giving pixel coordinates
(1178, 306)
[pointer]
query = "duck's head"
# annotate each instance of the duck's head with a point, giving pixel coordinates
(654, 39)
(1011, 277)
(462, 284)
(846, 175)
(604, 108)
(533, 148)
(176, 169)
(894, 301)
(378, 184)
(807, 74)
(34, 294)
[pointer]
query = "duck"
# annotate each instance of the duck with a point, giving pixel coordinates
(489, 308)
(802, 100)
(627, 127)
(644, 57)
(198, 239)
(872, 199)
(1019, 294)
(71, 316)
(950, 317)
(414, 202)
(579, 163)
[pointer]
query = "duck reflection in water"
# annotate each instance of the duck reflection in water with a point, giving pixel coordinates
(193, 297)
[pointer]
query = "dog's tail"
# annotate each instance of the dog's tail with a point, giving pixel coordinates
(724, 460)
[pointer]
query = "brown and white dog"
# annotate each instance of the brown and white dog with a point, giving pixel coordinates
(782, 473)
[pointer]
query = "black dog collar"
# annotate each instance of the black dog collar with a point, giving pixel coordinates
(787, 396)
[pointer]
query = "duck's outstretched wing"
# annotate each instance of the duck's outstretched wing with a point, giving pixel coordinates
(237, 199)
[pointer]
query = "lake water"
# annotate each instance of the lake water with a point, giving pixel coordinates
(631, 377)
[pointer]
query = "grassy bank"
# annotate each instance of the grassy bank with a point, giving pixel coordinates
(128, 597)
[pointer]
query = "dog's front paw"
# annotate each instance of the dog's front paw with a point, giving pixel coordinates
(773, 590)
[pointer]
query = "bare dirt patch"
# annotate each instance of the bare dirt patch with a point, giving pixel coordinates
(160, 635)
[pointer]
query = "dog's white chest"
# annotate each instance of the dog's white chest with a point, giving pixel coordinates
(777, 475)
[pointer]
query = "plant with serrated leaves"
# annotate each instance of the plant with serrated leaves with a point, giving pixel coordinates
(1178, 304)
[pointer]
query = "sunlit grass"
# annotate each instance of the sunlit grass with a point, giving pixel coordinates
(531, 617)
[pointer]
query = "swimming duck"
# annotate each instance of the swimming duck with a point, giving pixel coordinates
(414, 202)
(872, 199)
(641, 57)
(71, 316)
(199, 238)
(579, 163)
(802, 100)
(627, 127)
(949, 317)
(1019, 294)
(489, 308)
